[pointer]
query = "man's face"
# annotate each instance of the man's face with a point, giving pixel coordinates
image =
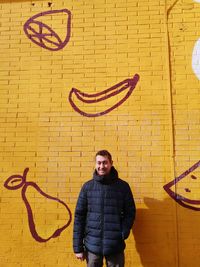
(103, 165)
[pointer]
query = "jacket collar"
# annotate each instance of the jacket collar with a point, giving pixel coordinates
(106, 179)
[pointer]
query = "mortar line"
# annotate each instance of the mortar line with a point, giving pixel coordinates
(171, 113)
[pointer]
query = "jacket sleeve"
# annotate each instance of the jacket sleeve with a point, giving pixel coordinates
(79, 222)
(129, 212)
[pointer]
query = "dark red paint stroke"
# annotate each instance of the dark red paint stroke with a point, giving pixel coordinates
(177, 197)
(43, 36)
(103, 95)
(15, 178)
(25, 185)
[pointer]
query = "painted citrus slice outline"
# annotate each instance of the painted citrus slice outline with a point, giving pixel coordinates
(44, 34)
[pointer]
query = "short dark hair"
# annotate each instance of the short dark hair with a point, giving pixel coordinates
(104, 153)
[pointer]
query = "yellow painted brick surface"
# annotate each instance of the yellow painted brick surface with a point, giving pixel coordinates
(154, 136)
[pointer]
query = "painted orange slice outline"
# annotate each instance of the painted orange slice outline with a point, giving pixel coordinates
(39, 37)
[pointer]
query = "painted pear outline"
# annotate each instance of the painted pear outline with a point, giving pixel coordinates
(24, 184)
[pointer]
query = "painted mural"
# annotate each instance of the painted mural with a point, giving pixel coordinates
(48, 48)
(17, 181)
(43, 35)
(127, 85)
(189, 199)
(186, 197)
(196, 59)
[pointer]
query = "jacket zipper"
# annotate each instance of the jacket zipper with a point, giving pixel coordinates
(102, 218)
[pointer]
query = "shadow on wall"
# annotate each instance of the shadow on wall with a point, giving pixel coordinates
(167, 234)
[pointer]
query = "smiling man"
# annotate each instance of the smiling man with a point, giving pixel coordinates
(104, 216)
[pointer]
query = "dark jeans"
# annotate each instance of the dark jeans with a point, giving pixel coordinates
(115, 260)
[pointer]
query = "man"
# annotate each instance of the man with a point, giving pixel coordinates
(104, 216)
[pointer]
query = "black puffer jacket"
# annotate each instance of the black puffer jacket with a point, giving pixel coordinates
(104, 215)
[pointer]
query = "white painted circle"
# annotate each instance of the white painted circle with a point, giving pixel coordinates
(196, 58)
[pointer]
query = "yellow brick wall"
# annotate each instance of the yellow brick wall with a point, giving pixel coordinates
(154, 136)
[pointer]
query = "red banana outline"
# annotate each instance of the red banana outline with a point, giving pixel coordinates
(103, 95)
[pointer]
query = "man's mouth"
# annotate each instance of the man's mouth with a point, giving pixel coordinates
(102, 171)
